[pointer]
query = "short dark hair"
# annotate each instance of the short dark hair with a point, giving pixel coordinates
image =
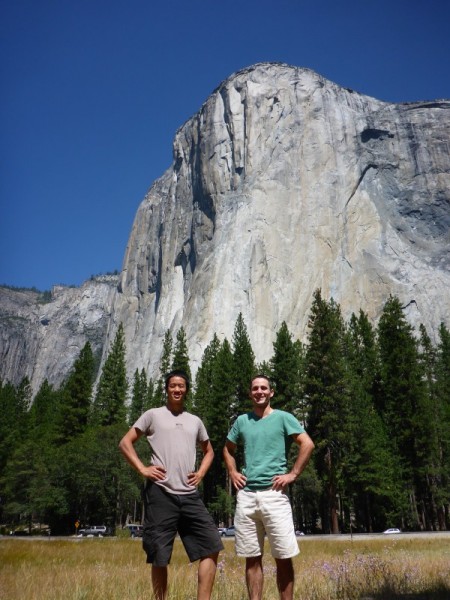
(176, 373)
(261, 376)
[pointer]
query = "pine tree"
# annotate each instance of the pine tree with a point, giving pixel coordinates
(370, 472)
(305, 498)
(244, 365)
(180, 354)
(15, 484)
(164, 368)
(30, 485)
(13, 429)
(109, 404)
(44, 415)
(403, 393)
(150, 398)
(76, 395)
(443, 411)
(139, 396)
(101, 483)
(24, 395)
(285, 369)
(428, 473)
(327, 392)
(203, 380)
(214, 398)
(181, 361)
(13, 420)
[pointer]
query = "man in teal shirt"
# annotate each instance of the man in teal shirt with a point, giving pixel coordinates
(262, 505)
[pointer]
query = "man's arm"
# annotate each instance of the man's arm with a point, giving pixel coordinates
(208, 456)
(237, 479)
(305, 448)
(126, 446)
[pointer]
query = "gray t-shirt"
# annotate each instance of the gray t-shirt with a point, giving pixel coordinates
(173, 440)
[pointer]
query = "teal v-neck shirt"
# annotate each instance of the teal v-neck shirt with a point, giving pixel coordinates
(266, 445)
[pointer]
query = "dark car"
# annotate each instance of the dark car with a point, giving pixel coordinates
(135, 530)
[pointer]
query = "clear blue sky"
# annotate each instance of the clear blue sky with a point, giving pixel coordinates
(93, 92)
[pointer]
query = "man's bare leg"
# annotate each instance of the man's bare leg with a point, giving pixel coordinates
(159, 581)
(254, 577)
(285, 578)
(206, 574)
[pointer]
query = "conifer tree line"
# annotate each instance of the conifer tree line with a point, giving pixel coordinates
(375, 400)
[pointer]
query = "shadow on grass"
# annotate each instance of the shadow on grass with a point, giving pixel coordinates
(442, 593)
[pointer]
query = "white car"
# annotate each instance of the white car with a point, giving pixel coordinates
(95, 531)
(392, 530)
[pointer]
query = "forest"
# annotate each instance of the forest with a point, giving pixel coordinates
(374, 398)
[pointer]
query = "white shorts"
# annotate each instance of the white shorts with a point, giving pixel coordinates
(266, 511)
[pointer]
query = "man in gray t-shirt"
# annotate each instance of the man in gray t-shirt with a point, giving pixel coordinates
(171, 500)
(173, 438)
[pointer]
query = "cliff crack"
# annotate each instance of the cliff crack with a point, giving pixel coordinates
(358, 183)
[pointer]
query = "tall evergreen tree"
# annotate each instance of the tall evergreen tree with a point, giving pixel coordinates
(244, 365)
(109, 404)
(442, 409)
(203, 380)
(327, 392)
(164, 368)
(139, 396)
(13, 421)
(30, 486)
(370, 475)
(43, 415)
(306, 495)
(76, 395)
(180, 359)
(150, 398)
(15, 484)
(403, 397)
(214, 398)
(285, 369)
(24, 395)
(101, 484)
(428, 473)
(286, 366)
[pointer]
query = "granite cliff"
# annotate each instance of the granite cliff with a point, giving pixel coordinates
(41, 335)
(283, 182)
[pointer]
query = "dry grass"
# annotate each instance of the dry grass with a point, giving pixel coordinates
(113, 569)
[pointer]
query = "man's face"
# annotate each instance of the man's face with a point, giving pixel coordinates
(176, 391)
(260, 392)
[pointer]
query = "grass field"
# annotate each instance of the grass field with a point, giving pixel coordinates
(114, 569)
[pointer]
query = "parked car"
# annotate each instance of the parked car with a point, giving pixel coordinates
(229, 531)
(97, 531)
(392, 530)
(135, 530)
(221, 530)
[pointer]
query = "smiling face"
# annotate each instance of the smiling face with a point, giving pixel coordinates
(260, 394)
(176, 392)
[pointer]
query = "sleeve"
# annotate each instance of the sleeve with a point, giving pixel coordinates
(292, 425)
(234, 433)
(202, 434)
(144, 422)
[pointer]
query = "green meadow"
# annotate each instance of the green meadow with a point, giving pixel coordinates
(390, 568)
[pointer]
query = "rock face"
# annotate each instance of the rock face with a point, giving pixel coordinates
(41, 337)
(282, 183)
